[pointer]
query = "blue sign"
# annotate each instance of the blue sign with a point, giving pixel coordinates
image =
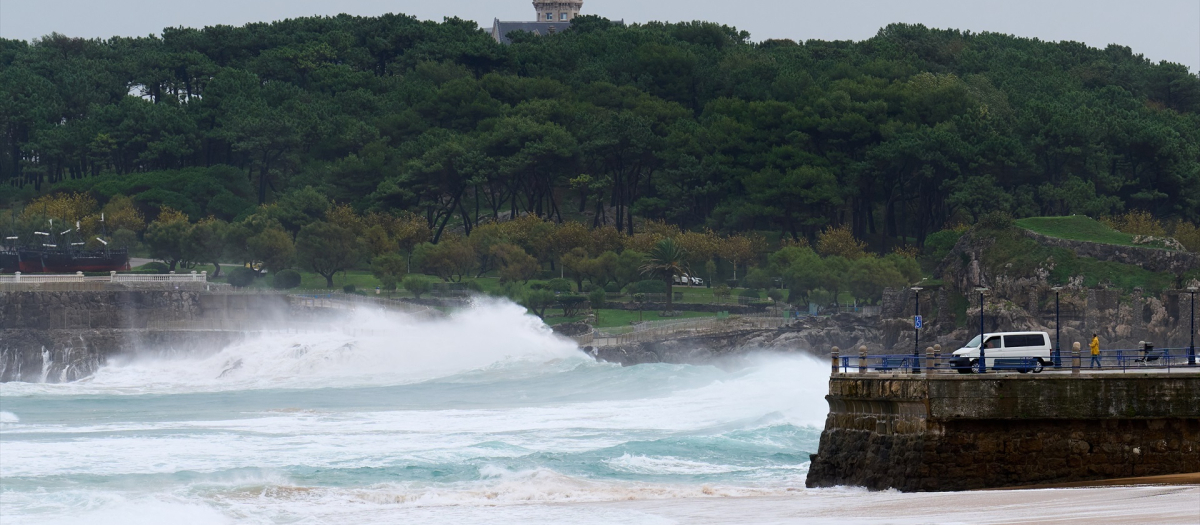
(918, 322)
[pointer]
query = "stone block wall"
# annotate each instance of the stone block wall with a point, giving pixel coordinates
(956, 433)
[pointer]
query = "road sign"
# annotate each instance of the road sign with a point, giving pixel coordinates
(918, 322)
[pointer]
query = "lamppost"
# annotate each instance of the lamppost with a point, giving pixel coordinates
(1191, 354)
(982, 354)
(916, 368)
(1057, 332)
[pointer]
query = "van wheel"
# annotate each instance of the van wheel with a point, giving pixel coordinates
(1038, 365)
(969, 369)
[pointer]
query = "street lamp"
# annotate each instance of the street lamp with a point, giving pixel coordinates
(916, 368)
(1057, 332)
(982, 354)
(1191, 354)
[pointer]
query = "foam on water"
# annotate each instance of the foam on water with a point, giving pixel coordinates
(371, 348)
(486, 407)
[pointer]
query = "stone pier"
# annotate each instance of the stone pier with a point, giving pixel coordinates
(945, 432)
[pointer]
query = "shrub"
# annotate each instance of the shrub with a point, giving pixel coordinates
(841, 242)
(996, 220)
(241, 277)
(597, 298)
(349, 288)
(775, 295)
(559, 285)
(749, 293)
(940, 243)
(154, 267)
(721, 292)
(538, 300)
(571, 304)
(286, 280)
(758, 279)
(417, 285)
(648, 286)
(612, 288)
(473, 286)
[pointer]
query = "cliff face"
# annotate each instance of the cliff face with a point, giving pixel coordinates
(1020, 297)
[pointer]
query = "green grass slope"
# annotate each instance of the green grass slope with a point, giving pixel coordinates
(1076, 228)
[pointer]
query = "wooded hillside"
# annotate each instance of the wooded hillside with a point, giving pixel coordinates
(694, 124)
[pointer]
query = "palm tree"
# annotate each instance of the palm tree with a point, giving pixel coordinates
(666, 260)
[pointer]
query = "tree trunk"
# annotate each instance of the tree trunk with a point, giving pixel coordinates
(328, 280)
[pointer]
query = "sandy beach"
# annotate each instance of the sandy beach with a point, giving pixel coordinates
(1165, 504)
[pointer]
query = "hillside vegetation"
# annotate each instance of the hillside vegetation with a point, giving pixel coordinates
(897, 136)
(1076, 228)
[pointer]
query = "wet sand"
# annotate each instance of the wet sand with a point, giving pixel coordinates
(1159, 504)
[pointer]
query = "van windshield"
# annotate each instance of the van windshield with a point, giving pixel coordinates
(974, 343)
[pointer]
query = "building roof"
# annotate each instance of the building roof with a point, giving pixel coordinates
(500, 30)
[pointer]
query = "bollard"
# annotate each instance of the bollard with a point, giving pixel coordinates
(1075, 357)
(862, 359)
(929, 362)
(112, 275)
(836, 358)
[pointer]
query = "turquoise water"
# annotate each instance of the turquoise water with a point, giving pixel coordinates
(446, 419)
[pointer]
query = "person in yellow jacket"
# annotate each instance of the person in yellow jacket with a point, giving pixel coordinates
(1095, 347)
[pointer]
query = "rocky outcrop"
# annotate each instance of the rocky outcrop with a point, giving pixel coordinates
(1024, 300)
(1153, 259)
(807, 335)
(572, 329)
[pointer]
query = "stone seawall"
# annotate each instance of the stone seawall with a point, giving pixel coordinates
(918, 433)
(59, 356)
(57, 336)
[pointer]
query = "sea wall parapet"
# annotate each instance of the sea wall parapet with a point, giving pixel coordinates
(917, 433)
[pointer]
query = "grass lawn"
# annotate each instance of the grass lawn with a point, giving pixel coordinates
(610, 318)
(1076, 228)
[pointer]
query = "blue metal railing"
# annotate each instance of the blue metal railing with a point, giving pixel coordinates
(1124, 360)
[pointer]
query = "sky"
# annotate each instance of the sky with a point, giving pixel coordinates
(1159, 29)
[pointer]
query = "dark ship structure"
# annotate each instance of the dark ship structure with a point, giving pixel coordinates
(61, 253)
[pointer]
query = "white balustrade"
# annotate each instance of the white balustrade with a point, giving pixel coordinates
(114, 277)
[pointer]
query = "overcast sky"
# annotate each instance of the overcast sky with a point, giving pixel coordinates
(1158, 29)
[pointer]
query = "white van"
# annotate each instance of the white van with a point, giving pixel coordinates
(1020, 351)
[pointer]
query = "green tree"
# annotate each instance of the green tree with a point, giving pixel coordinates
(167, 238)
(389, 269)
(327, 248)
(273, 247)
(450, 259)
(417, 285)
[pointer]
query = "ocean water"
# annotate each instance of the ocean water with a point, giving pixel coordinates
(484, 416)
